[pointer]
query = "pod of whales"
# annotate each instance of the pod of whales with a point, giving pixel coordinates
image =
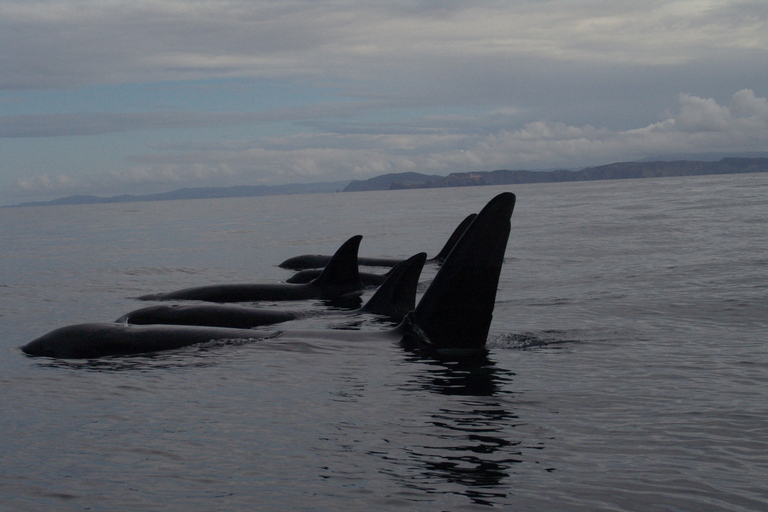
(340, 279)
(454, 313)
(395, 298)
(315, 261)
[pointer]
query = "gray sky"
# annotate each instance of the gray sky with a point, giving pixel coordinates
(109, 97)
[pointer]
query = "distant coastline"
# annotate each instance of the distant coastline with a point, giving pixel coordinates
(615, 171)
(413, 180)
(197, 193)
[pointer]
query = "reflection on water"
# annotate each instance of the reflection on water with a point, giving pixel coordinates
(470, 375)
(195, 357)
(468, 442)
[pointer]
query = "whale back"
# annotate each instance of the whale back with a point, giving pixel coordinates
(306, 261)
(87, 341)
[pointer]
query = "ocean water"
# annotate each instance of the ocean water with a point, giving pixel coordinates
(627, 367)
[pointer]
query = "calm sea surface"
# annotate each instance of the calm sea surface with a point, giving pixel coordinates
(628, 362)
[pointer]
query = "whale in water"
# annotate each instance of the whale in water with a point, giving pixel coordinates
(395, 298)
(454, 314)
(306, 262)
(369, 279)
(339, 280)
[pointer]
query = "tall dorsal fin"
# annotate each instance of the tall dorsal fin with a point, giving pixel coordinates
(342, 271)
(396, 297)
(457, 308)
(455, 236)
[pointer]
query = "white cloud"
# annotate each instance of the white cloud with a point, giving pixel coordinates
(420, 85)
(701, 115)
(167, 174)
(700, 125)
(45, 184)
(745, 106)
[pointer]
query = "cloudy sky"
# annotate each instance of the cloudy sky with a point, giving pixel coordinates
(109, 96)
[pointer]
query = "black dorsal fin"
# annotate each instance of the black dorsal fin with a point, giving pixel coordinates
(455, 236)
(396, 296)
(342, 272)
(457, 308)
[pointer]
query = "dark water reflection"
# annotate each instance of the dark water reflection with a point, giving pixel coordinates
(469, 442)
(469, 375)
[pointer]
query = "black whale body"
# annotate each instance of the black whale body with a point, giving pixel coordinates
(339, 280)
(369, 279)
(454, 313)
(395, 298)
(314, 261)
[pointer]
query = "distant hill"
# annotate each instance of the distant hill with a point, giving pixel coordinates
(414, 180)
(615, 171)
(385, 181)
(201, 193)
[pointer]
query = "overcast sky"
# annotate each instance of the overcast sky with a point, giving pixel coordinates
(108, 97)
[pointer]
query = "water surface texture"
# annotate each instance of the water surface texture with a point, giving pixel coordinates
(627, 370)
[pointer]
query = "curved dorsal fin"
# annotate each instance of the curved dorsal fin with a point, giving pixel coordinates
(396, 297)
(457, 308)
(342, 271)
(455, 236)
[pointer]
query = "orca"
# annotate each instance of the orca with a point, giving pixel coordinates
(339, 280)
(453, 316)
(314, 261)
(367, 278)
(395, 298)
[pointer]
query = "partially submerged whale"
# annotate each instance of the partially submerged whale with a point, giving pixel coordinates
(368, 279)
(395, 298)
(455, 312)
(339, 280)
(315, 261)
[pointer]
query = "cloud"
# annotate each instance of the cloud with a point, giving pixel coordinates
(138, 177)
(79, 124)
(65, 43)
(45, 184)
(598, 62)
(98, 123)
(371, 87)
(699, 125)
(701, 115)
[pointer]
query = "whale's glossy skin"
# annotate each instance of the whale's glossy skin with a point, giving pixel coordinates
(314, 261)
(454, 314)
(211, 315)
(89, 341)
(339, 280)
(369, 280)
